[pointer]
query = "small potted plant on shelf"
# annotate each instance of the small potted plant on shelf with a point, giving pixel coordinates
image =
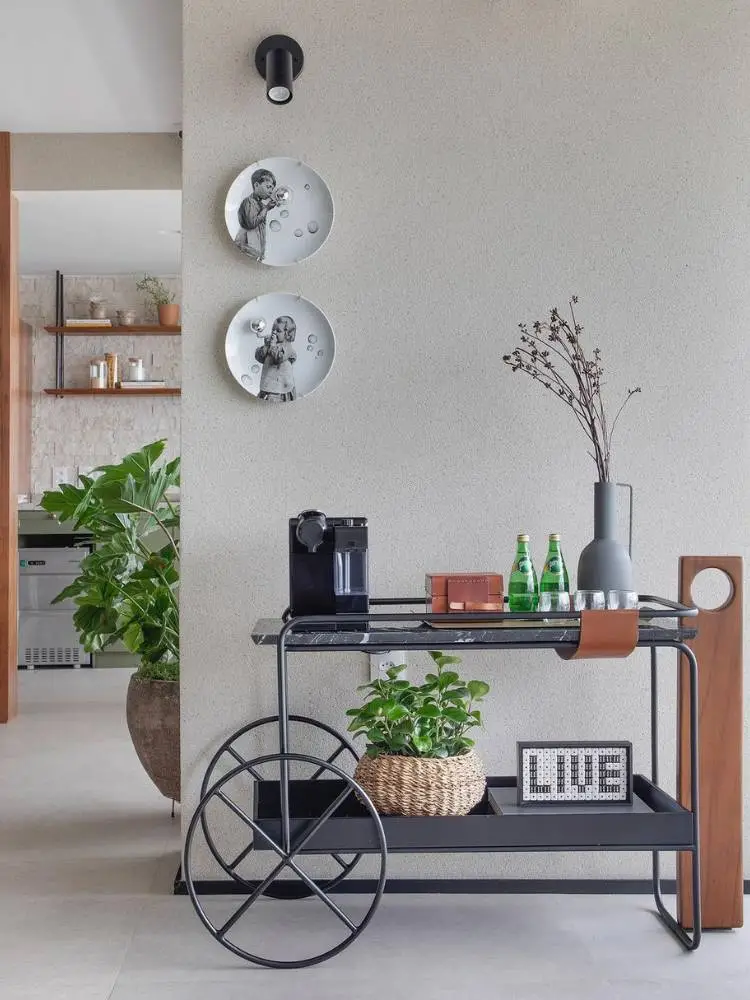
(127, 591)
(163, 299)
(419, 760)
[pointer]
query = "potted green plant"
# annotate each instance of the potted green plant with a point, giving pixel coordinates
(127, 591)
(419, 760)
(163, 299)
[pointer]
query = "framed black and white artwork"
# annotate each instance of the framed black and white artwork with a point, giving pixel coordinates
(553, 773)
(279, 211)
(280, 347)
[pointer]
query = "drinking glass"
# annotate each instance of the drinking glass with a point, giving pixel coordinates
(589, 600)
(622, 599)
(555, 601)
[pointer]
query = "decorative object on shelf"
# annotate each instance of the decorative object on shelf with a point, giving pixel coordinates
(125, 317)
(463, 592)
(598, 773)
(290, 357)
(552, 354)
(113, 372)
(127, 591)
(134, 371)
(97, 308)
(151, 383)
(419, 760)
(162, 298)
(102, 324)
(279, 211)
(98, 373)
(279, 60)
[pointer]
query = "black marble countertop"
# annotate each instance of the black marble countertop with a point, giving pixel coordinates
(419, 635)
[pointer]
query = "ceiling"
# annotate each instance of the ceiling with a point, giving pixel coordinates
(99, 232)
(91, 66)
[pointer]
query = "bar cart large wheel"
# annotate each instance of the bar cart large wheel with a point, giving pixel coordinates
(288, 851)
(232, 751)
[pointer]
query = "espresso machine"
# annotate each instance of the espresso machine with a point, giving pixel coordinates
(327, 564)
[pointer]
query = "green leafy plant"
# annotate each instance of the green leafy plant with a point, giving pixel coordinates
(425, 720)
(128, 586)
(155, 289)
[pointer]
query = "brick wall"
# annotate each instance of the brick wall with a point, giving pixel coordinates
(86, 431)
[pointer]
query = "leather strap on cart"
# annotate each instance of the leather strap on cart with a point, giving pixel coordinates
(604, 634)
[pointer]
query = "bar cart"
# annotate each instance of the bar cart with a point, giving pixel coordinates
(326, 819)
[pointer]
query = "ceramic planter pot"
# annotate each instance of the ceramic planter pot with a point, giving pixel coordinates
(169, 315)
(153, 715)
(422, 786)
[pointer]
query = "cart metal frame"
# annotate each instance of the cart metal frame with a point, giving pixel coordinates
(291, 836)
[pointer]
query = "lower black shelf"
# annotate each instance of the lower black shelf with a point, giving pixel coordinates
(654, 821)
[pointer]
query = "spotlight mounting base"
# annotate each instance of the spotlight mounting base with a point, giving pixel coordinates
(279, 42)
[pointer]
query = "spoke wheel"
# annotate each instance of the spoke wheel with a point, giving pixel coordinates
(290, 860)
(230, 754)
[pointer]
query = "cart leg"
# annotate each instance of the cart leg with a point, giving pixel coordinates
(687, 940)
(282, 683)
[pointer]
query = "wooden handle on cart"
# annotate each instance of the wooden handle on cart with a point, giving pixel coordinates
(605, 634)
(718, 647)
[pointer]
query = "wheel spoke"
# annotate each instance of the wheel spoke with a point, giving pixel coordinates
(222, 931)
(241, 760)
(251, 823)
(321, 895)
(241, 856)
(329, 760)
(340, 860)
(316, 824)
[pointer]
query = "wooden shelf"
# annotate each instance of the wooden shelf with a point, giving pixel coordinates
(163, 391)
(107, 331)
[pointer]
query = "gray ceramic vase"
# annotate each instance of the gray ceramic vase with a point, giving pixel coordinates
(605, 563)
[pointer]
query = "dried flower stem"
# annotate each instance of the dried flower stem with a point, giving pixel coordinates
(582, 394)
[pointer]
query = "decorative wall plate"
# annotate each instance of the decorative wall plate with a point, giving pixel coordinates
(279, 211)
(280, 347)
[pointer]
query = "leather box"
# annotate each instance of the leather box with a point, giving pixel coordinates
(463, 592)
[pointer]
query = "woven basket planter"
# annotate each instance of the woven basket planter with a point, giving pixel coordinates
(422, 786)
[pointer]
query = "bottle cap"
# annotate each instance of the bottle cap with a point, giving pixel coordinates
(523, 538)
(554, 537)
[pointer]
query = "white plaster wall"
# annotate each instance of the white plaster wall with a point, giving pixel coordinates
(84, 430)
(487, 160)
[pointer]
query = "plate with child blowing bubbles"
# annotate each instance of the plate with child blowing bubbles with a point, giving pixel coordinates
(279, 211)
(280, 347)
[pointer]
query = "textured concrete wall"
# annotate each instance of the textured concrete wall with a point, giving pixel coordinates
(85, 431)
(486, 160)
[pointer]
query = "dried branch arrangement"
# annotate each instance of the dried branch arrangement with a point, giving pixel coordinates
(552, 354)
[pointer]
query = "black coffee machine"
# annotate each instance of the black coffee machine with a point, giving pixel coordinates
(327, 564)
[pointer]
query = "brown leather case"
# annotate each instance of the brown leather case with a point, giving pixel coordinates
(605, 634)
(464, 592)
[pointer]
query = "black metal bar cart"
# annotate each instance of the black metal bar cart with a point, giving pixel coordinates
(298, 805)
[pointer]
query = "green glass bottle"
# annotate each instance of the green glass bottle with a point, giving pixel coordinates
(555, 573)
(523, 589)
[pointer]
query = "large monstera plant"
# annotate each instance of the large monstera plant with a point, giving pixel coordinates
(128, 586)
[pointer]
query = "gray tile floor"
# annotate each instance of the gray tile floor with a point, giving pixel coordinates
(88, 852)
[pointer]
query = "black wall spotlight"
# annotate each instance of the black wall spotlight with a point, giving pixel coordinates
(279, 61)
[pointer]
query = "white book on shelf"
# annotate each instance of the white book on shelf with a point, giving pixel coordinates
(146, 384)
(88, 322)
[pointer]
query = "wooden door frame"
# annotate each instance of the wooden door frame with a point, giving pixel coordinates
(9, 389)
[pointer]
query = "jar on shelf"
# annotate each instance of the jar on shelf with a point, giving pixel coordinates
(97, 307)
(134, 370)
(113, 376)
(97, 373)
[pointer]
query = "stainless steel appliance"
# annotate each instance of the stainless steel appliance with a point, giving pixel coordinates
(46, 635)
